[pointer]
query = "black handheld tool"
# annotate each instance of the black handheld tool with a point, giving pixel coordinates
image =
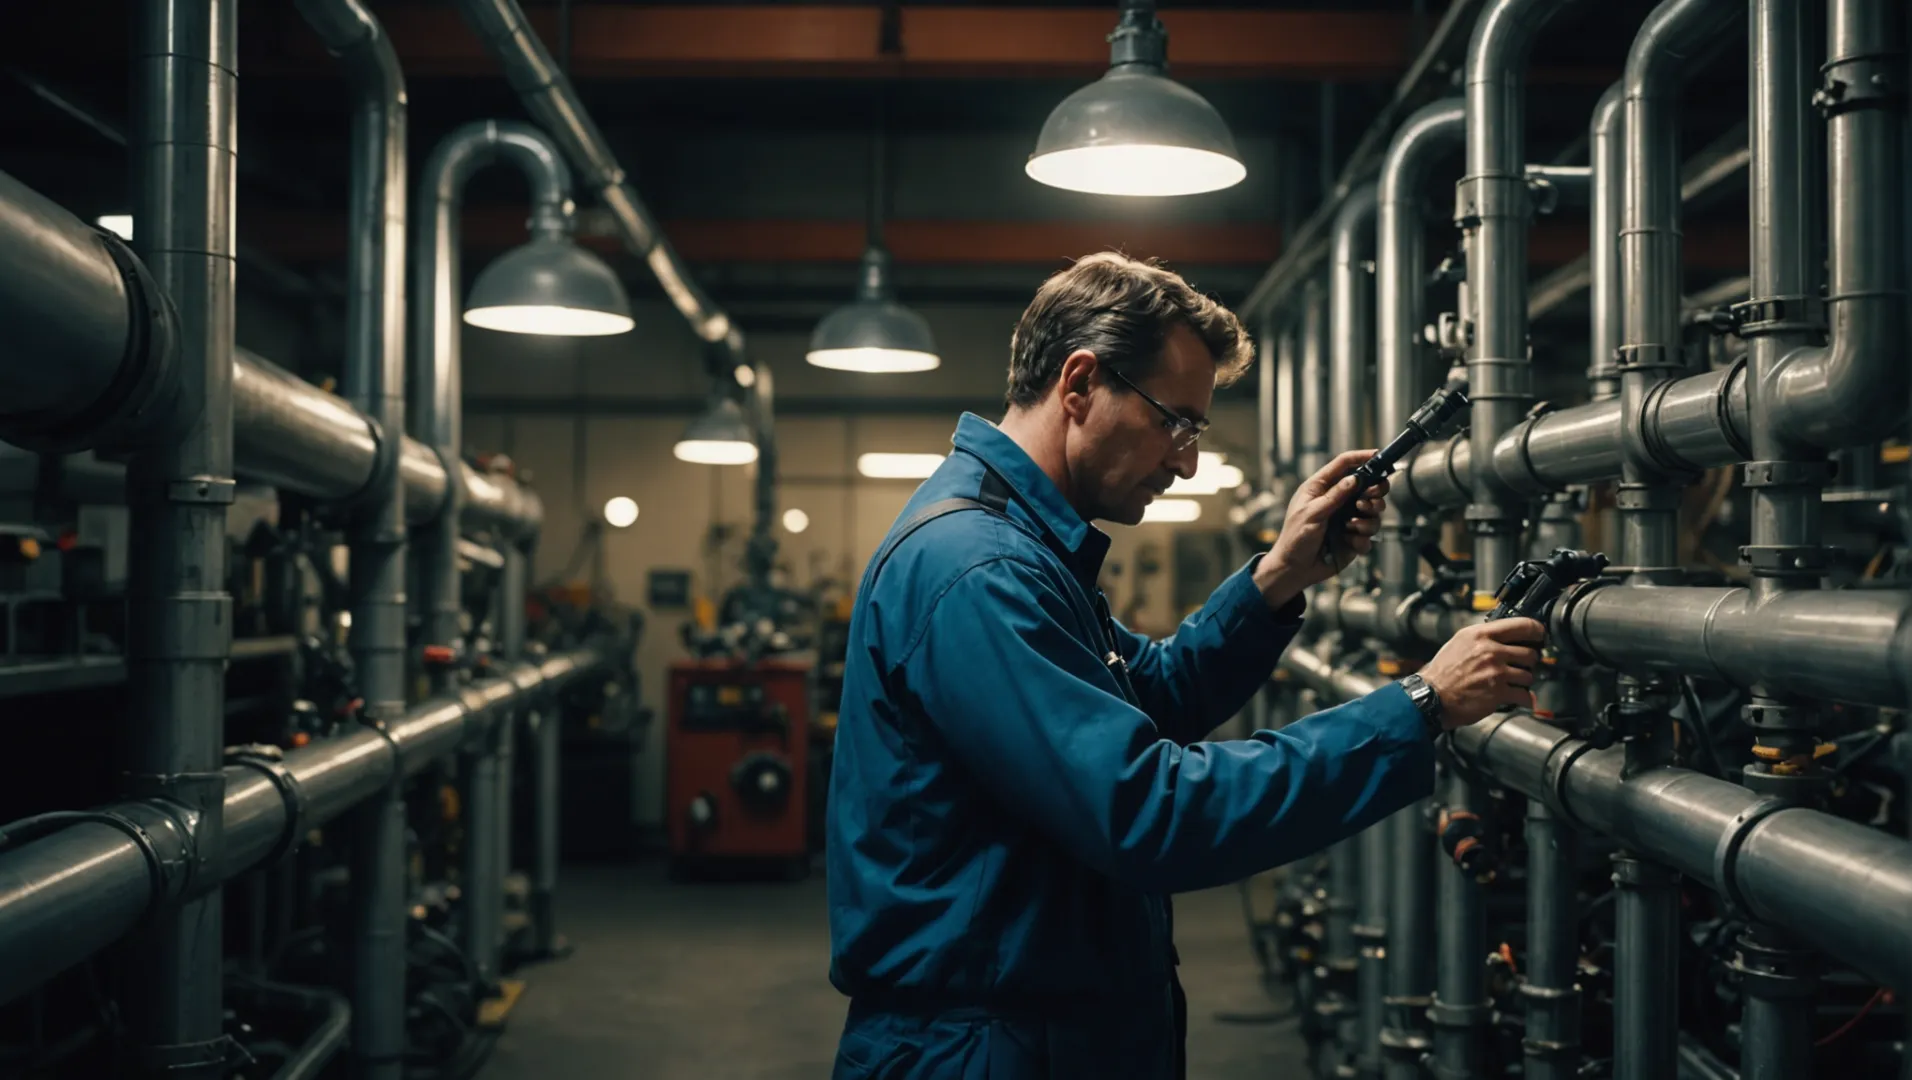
(1529, 592)
(1425, 424)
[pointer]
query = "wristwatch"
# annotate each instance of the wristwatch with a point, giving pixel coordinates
(1422, 694)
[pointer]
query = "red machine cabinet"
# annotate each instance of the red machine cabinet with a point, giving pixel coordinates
(736, 755)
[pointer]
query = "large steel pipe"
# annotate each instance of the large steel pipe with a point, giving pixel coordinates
(69, 894)
(1603, 242)
(1851, 645)
(91, 334)
(1838, 885)
(1313, 453)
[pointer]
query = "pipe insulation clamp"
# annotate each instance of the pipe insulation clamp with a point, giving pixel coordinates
(144, 390)
(1726, 853)
(378, 484)
(1864, 81)
(270, 760)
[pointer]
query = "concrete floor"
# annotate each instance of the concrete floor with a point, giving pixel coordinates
(695, 982)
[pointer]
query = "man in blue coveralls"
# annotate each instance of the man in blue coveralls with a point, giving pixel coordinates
(1020, 782)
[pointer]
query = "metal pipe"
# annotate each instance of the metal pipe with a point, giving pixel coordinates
(1661, 58)
(1461, 1009)
(1312, 453)
(1776, 1028)
(1267, 456)
(1852, 389)
(1492, 206)
(547, 749)
(549, 97)
(1341, 954)
(374, 381)
(1350, 317)
(1646, 943)
(178, 612)
(1603, 241)
(1370, 930)
(436, 414)
(66, 895)
(1551, 1046)
(91, 332)
(1288, 397)
(1852, 645)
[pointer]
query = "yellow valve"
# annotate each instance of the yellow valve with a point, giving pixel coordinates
(1768, 753)
(1389, 668)
(1895, 453)
(29, 547)
(1823, 749)
(1483, 601)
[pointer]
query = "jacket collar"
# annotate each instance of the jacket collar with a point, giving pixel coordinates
(1084, 543)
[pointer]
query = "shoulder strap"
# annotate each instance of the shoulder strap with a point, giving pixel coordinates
(927, 514)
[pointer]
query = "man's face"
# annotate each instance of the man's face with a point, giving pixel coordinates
(1121, 451)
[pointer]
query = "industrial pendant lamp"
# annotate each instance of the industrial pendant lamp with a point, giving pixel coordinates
(873, 333)
(719, 437)
(550, 286)
(1135, 131)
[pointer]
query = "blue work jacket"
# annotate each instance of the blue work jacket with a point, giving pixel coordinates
(1009, 809)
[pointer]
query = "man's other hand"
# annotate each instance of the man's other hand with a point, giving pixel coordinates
(1297, 559)
(1486, 667)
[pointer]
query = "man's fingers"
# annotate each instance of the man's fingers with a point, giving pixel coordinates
(1517, 656)
(1517, 677)
(1514, 631)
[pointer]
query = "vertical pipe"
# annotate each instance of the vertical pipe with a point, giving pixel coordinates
(179, 614)
(1493, 207)
(1267, 454)
(1351, 315)
(1371, 929)
(1552, 1043)
(1662, 56)
(1645, 993)
(1288, 397)
(1776, 1029)
(1604, 135)
(1342, 958)
(1313, 406)
(1460, 1010)
(375, 382)
(548, 745)
(1400, 302)
(1410, 923)
(481, 877)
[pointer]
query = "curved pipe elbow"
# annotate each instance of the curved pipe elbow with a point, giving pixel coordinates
(1429, 131)
(1495, 82)
(1849, 391)
(1670, 40)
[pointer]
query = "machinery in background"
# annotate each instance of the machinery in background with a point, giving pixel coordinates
(738, 747)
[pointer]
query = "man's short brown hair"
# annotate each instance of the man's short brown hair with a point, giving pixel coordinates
(1122, 310)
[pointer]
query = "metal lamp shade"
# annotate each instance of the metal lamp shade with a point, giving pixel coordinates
(1136, 131)
(719, 437)
(878, 336)
(550, 286)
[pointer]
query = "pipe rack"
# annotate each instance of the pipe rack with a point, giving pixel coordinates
(1816, 380)
(67, 895)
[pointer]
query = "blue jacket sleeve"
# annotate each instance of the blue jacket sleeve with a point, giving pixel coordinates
(1194, 680)
(1029, 708)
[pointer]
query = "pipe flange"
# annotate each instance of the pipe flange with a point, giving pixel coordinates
(1633, 872)
(1652, 436)
(199, 798)
(1774, 973)
(1370, 932)
(1548, 1049)
(1491, 519)
(1776, 716)
(1404, 1043)
(1861, 82)
(144, 388)
(166, 873)
(270, 760)
(378, 485)
(1726, 852)
(1547, 994)
(1646, 497)
(378, 720)
(452, 507)
(1477, 198)
(1776, 314)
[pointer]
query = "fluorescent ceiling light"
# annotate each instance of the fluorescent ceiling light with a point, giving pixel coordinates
(795, 521)
(620, 512)
(120, 225)
(898, 466)
(714, 452)
(1172, 510)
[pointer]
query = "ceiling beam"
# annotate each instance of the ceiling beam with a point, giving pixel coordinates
(302, 237)
(785, 40)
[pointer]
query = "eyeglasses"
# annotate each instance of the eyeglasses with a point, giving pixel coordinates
(1181, 429)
